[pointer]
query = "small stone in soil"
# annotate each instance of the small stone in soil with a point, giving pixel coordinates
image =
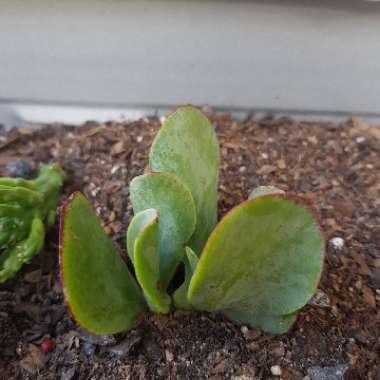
(100, 340)
(88, 348)
(18, 168)
(230, 346)
(68, 374)
(275, 370)
(337, 243)
(320, 299)
(327, 373)
(360, 139)
(169, 356)
(124, 347)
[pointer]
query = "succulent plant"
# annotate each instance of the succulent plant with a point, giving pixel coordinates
(27, 209)
(259, 265)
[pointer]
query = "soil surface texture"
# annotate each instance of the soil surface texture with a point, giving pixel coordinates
(336, 336)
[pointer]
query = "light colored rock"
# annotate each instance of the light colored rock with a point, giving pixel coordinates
(327, 373)
(337, 243)
(276, 370)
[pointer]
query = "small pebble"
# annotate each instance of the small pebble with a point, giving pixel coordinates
(337, 243)
(99, 340)
(18, 168)
(320, 299)
(95, 192)
(327, 373)
(129, 343)
(230, 345)
(115, 169)
(112, 216)
(108, 230)
(88, 348)
(360, 139)
(169, 356)
(68, 374)
(276, 370)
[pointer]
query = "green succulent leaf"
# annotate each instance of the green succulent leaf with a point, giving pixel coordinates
(274, 324)
(263, 261)
(15, 256)
(21, 195)
(147, 266)
(192, 258)
(138, 222)
(186, 146)
(16, 229)
(22, 202)
(102, 295)
(264, 190)
(190, 262)
(11, 210)
(49, 183)
(175, 206)
(16, 182)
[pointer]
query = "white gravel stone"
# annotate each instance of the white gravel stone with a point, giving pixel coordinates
(115, 169)
(276, 370)
(360, 139)
(169, 356)
(337, 243)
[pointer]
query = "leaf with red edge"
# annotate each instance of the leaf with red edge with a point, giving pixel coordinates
(262, 262)
(102, 295)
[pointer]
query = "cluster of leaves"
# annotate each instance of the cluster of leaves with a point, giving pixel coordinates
(258, 266)
(27, 208)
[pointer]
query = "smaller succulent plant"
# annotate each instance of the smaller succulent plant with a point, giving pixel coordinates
(27, 209)
(259, 265)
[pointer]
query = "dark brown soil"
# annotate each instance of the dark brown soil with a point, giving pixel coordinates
(336, 166)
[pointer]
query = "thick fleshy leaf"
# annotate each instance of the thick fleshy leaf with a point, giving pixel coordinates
(175, 206)
(138, 222)
(17, 182)
(186, 146)
(12, 259)
(20, 195)
(274, 324)
(25, 207)
(263, 259)
(192, 259)
(11, 210)
(147, 266)
(102, 295)
(190, 262)
(264, 190)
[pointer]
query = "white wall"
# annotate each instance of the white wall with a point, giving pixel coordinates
(309, 56)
